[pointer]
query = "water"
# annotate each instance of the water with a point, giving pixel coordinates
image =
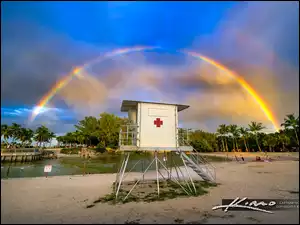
(75, 165)
(36, 169)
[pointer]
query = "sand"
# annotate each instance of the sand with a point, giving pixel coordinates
(64, 199)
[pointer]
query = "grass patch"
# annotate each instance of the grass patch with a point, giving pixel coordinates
(71, 151)
(180, 221)
(90, 206)
(132, 222)
(144, 193)
(253, 219)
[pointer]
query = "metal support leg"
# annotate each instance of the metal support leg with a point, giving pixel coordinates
(143, 166)
(182, 175)
(170, 164)
(139, 179)
(189, 175)
(175, 166)
(175, 180)
(131, 169)
(122, 174)
(157, 169)
(118, 174)
(184, 180)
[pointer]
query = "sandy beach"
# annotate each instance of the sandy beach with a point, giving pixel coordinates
(64, 199)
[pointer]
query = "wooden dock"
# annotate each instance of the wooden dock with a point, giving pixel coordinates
(21, 157)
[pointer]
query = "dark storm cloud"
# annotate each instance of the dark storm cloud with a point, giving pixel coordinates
(33, 59)
(260, 41)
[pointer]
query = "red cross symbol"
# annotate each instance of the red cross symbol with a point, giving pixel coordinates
(158, 122)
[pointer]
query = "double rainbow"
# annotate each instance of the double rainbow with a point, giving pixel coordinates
(64, 81)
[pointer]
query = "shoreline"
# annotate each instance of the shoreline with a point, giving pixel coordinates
(247, 159)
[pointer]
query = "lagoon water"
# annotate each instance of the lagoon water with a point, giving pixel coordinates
(74, 165)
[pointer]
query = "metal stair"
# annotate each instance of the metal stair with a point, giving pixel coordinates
(196, 162)
(204, 169)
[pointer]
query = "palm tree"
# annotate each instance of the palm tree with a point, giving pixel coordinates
(226, 135)
(223, 130)
(42, 135)
(29, 136)
(290, 121)
(59, 140)
(233, 130)
(51, 135)
(221, 133)
(270, 141)
(283, 139)
(23, 135)
(15, 130)
(244, 133)
(255, 128)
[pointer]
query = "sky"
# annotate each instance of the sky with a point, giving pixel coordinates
(43, 41)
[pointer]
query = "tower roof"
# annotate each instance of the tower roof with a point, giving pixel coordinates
(131, 104)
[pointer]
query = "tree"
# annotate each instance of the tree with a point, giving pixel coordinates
(70, 139)
(290, 121)
(203, 141)
(42, 135)
(89, 127)
(255, 128)
(51, 135)
(283, 139)
(23, 135)
(29, 136)
(15, 131)
(270, 140)
(244, 133)
(59, 140)
(223, 130)
(5, 132)
(109, 127)
(233, 130)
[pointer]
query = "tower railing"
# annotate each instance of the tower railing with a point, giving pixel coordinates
(198, 159)
(128, 135)
(183, 136)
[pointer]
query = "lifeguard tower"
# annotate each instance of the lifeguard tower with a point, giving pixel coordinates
(153, 127)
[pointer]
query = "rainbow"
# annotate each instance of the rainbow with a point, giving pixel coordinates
(268, 113)
(77, 70)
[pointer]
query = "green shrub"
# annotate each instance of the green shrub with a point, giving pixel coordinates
(100, 148)
(70, 150)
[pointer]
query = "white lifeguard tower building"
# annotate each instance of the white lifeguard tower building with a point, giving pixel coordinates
(153, 127)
